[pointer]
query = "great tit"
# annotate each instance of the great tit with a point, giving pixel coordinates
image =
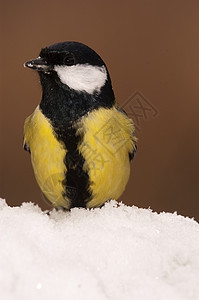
(80, 140)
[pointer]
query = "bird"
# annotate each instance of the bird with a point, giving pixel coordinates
(80, 139)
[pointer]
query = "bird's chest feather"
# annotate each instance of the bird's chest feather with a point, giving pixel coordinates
(92, 157)
(107, 140)
(47, 155)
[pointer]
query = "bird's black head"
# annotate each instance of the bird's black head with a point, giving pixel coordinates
(73, 64)
(74, 73)
(70, 53)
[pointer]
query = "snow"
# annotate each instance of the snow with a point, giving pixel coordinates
(116, 252)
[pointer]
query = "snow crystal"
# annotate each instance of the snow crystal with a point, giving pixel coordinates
(116, 252)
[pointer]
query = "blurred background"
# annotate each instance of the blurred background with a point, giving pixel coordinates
(151, 48)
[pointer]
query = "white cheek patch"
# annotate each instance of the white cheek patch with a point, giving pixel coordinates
(82, 77)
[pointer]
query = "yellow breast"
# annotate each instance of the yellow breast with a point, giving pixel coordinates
(47, 155)
(107, 142)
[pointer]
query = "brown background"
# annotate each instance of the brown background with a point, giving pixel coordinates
(148, 46)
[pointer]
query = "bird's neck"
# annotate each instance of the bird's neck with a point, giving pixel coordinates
(63, 106)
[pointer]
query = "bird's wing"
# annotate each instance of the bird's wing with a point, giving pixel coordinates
(26, 134)
(132, 154)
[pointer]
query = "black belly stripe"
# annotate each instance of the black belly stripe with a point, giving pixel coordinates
(76, 182)
(64, 106)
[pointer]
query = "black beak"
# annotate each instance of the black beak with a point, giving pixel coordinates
(38, 64)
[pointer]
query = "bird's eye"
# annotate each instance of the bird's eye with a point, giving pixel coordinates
(69, 60)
